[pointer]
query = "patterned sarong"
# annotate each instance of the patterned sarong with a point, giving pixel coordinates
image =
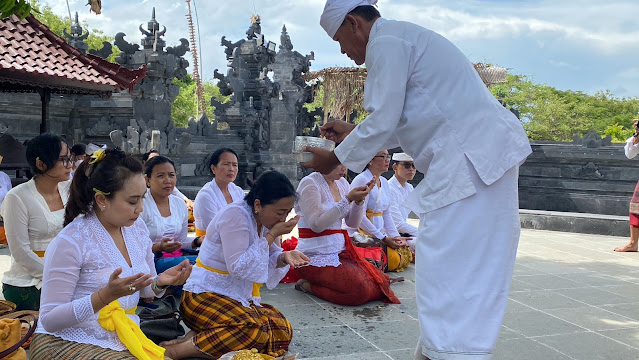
(49, 347)
(224, 325)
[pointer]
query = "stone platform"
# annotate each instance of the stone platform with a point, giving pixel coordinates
(572, 297)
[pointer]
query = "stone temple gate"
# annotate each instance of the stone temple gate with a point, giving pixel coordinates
(265, 113)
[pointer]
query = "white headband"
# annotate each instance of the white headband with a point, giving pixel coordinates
(402, 157)
(335, 12)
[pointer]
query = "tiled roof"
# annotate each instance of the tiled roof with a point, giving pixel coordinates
(30, 53)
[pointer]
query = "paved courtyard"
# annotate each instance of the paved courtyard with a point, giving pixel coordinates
(571, 298)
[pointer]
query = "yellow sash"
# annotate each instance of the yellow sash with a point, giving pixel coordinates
(199, 232)
(39, 253)
(113, 318)
(370, 214)
(256, 286)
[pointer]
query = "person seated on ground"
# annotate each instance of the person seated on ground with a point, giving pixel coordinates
(153, 153)
(632, 149)
(335, 266)
(378, 222)
(33, 214)
(221, 300)
(5, 186)
(400, 188)
(78, 152)
(99, 265)
(165, 215)
(219, 192)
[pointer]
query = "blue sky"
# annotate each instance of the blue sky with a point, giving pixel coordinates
(581, 45)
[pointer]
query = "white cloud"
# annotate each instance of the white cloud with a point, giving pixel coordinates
(596, 41)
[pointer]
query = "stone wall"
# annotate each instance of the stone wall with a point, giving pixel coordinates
(575, 178)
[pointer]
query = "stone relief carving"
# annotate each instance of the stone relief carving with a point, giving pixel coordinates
(592, 140)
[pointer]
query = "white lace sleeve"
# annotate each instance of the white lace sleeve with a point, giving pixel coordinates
(243, 260)
(62, 265)
(183, 213)
(310, 202)
(16, 224)
(142, 232)
(631, 149)
(275, 274)
(389, 225)
(355, 214)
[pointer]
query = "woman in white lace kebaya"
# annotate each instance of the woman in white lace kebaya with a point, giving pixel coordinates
(378, 222)
(241, 252)
(336, 272)
(99, 265)
(33, 214)
(165, 214)
(218, 192)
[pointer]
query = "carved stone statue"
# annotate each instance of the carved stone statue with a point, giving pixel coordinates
(255, 29)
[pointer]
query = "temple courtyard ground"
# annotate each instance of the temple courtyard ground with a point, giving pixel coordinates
(572, 297)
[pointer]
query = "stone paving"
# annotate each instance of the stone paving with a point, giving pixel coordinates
(571, 298)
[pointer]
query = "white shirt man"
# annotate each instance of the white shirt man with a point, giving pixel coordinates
(400, 188)
(424, 95)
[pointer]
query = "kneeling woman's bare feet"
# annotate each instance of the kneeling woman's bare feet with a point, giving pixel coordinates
(630, 247)
(303, 286)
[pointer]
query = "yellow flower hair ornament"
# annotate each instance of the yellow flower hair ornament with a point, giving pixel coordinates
(97, 156)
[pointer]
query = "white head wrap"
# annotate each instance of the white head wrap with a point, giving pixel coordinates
(335, 12)
(402, 157)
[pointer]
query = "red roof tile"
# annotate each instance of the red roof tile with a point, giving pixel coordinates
(28, 50)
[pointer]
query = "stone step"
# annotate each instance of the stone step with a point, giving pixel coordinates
(584, 223)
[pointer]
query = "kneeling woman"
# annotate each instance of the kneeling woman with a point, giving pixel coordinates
(165, 214)
(99, 265)
(241, 251)
(324, 200)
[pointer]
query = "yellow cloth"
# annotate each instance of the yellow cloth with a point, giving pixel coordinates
(370, 214)
(256, 286)
(199, 232)
(398, 260)
(3, 235)
(9, 336)
(113, 318)
(39, 253)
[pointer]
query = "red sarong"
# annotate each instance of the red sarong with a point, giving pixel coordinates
(351, 266)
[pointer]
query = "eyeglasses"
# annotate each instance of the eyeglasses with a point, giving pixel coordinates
(408, 165)
(385, 157)
(66, 160)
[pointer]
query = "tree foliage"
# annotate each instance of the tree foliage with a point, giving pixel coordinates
(21, 8)
(58, 23)
(550, 114)
(185, 104)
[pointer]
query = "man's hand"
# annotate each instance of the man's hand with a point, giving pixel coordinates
(323, 161)
(337, 130)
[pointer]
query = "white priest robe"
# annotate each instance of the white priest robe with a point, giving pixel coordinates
(424, 95)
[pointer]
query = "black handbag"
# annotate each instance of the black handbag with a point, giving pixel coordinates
(160, 320)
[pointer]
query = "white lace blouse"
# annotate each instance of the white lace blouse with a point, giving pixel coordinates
(174, 226)
(78, 263)
(210, 200)
(232, 244)
(30, 226)
(378, 201)
(319, 212)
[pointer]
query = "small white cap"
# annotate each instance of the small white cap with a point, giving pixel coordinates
(402, 157)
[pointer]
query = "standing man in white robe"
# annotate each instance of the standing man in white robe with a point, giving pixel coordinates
(424, 95)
